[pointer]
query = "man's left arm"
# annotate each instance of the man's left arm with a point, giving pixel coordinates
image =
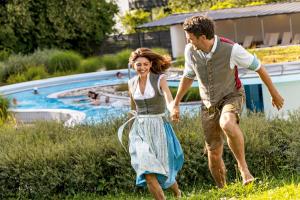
(277, 99)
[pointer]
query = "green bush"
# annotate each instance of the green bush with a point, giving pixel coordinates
(35, 73)
(2, 72)
(4, 104)
(90, 65)
(62, 61)
(47, 159)
(122, 58)
(16, 78)
(109, 61)
(161, 51)
(42, 57)
(16, 64)
(179, 62)
(191, 95)
(4, 54)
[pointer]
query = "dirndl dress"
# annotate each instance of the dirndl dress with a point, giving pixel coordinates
(153, 145)
(155, 149)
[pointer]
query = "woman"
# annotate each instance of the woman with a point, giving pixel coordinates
(156, 154)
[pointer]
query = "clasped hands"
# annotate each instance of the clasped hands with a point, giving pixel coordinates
(175, 112)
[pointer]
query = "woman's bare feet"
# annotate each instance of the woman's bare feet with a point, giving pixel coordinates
(176, 191)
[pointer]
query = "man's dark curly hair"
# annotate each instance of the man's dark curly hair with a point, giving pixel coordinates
(200, 25)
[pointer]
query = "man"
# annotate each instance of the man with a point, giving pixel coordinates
(213, 60)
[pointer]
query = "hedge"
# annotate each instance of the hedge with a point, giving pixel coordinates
(48, 160)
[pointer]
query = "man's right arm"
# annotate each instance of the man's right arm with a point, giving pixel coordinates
(184, 85)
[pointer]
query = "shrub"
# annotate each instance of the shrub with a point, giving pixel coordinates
(2, 72)
(122, 58)
(90, 65)
(4, 104)
(63, 61)
(35, 73)
(42, 57)
(179, 62)
(16, 64)
(109, 61)
(4, 54)
(16, 78)
(191, 95)
(47, 159)
(161, 51)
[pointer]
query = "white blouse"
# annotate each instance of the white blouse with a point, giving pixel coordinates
(149, 91)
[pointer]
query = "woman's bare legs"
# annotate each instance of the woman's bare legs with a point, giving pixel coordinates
(154, 187)
(175, 190)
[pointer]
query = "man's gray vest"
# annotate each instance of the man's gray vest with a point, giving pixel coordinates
(215, 77)
(154, 105)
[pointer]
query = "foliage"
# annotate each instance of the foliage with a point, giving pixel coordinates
(161, 51)
(91, 64)
(122, 58)
(63, 61)
(80, 25)
(35, 73)
(132, 19)
(266, 189)
(255, 3)
(116, 61)
(4, 104)
(176, 6)
(191, 95)
(224, 4)
(277, 54)
(47, 159)
(16, 64)
(109, 61)
(179, 62)
(4, 54)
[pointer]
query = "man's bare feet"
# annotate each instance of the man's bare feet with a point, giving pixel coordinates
(247, 178)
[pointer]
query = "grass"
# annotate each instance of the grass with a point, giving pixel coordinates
(274, 189)
(277, 54)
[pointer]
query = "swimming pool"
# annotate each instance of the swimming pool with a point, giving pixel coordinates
(46, 98)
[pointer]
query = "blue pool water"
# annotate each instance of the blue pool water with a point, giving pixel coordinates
(28, 100)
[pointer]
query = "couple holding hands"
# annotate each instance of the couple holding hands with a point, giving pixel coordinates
(156, 154)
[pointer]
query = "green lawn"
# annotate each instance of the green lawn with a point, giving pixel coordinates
(261, 189)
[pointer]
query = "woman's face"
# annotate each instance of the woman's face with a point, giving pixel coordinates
(142, 66)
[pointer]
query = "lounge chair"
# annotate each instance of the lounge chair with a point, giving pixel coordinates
(248, 41)
(286, 38)
(296, 39)
(273, 39)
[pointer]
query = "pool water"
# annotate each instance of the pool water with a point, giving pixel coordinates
(28, 100)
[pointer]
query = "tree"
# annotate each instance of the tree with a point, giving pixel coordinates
(81, 25)
(133, 19)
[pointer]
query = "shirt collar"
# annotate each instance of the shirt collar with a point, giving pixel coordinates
(213, 49)
(214, 45)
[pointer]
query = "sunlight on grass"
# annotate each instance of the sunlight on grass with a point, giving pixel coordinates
(267, 189)
(287, 192)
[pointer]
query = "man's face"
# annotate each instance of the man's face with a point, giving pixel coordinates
(197, 42)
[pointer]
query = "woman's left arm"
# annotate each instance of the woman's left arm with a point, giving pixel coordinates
(166, 92)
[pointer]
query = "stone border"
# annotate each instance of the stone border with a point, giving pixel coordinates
(69, 117)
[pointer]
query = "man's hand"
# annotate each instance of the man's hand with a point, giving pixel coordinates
(277, 101)
(175, 112)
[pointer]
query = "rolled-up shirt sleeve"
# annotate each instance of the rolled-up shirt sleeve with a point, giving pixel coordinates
(242, 58)
(188, 65)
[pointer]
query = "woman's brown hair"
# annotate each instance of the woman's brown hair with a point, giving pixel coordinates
(159, 63)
